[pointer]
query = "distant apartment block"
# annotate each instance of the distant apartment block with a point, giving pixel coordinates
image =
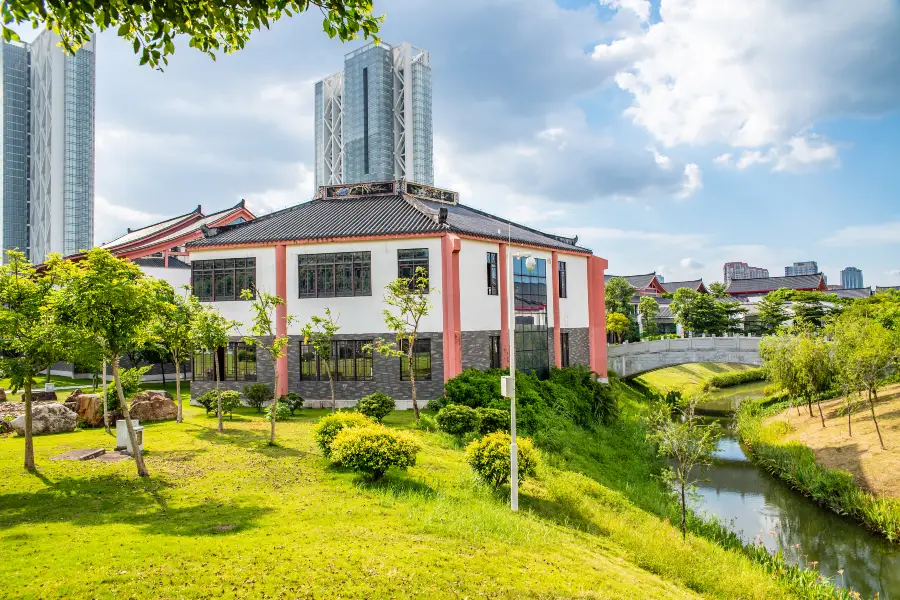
(373, 119)
(741, 270)
(809, 267)
(47, 147)
(851, 278)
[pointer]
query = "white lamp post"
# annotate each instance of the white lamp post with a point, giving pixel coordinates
(508, 384)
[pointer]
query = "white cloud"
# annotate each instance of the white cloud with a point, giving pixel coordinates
(663, 161)
(112, 220)
(757, 75)
(893, 272)
(693, 180)
(691, 263)
(723, 159)
(866, 235)
(270, 200)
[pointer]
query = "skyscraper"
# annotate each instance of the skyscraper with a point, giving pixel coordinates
(48, 152)
(373, 119)
(809, 267)
(851, 278)
(741, 270)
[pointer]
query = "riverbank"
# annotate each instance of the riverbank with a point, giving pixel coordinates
(769, 445)
(688, 378)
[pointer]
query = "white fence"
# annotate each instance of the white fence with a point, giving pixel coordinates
(630, 359)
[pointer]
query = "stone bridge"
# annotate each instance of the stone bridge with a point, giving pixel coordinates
(628, 360)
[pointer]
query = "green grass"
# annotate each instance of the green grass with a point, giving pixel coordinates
(225, 515)
(687, 379)
(55, 379)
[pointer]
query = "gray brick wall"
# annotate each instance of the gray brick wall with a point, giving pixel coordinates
(476, 348)
(579, 346)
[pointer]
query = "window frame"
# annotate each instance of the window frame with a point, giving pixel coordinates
(493, 274)
(564, 360)
(357, 266)
(563, 279)
(413, 263)
(228, 359)
(495, 352)
(404, 372)
(234, 269)
(319, 372)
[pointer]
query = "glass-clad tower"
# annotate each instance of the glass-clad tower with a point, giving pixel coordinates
(14, 145)
(373, 119)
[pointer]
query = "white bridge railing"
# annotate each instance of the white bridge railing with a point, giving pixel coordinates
(629, 359)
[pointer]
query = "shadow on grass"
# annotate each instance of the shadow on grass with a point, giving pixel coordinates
(561, 511)
(116, 499)
(253, 440)
(394, 483)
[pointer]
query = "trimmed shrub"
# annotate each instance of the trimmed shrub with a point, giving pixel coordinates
(492, 419)
(489, 458)
(330, 426)
(457, 419)
(376, 406)
(436, 404)
(230, 401)
(474, 388)
(374, 449)
(284, 411)
(427, 423)
(293, 401)
(723, 380)
(258, 394)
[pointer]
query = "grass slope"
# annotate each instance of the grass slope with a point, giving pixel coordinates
(686, 378)
(224, 515)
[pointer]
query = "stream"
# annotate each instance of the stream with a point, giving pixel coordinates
(750, 500)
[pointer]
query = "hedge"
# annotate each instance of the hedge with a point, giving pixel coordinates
(723, 380)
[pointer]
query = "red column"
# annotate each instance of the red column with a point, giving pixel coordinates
(504, 306)
(281, 365)
(557, 334)
(597, 314)
(450, 247)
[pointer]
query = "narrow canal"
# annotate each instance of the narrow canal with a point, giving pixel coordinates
(755, 504)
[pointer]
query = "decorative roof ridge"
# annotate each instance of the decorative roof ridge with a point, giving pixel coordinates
(213, 231)
(177, 218)
(439, 216)
(558, 238)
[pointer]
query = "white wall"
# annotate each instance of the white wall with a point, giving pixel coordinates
(362, 314)
(478, 310)
(239, 310)
(573, 309)
(176, 277)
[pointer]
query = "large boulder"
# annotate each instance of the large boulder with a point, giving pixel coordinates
(153, 405)
(88, 407)
(42, 396)
(51, 417)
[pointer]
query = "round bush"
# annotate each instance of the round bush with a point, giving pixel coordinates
(492, 419)
(258, 394)
(284, 411)
(376, 406)
(489, 458)
(293, 401)
(374, 449)
(457, 419)
(230, 400)
(328, 427)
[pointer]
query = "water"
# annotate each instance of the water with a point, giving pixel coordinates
(751, 501)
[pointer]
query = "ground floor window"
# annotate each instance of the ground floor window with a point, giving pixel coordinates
(235, 362)
(421, 360)
(496, 352)
(564, 349)
(349, 361)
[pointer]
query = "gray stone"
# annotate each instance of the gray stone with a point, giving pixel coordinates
(43, 396)
(50, 417)
(87, 454)
(152, 405)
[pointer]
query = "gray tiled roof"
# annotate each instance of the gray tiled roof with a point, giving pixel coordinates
(671, 286)
(321, 219)
(862, 292)
(636, 281)
(160, 262)
(770, 284)
(880, 289)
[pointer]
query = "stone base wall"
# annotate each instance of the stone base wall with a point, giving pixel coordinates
(579, 345)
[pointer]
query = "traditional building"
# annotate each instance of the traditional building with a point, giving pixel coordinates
(694, 284)
(342, 248)
(749, 289)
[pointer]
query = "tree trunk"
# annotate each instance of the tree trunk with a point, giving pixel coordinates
(218, 394)
(873, 398)
(849, 426)
(683, 512)
(105, 401)
(809, 406)
(412, 381)
(138, 459)
(29, 442)
(162, 369)
(331, 384)
(178, 389)
(821, 416)
(274, 411)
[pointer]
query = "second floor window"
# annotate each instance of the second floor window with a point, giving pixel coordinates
(335, 274)
(223, 279)
(493, 280)
(562, 280)
(409, 261)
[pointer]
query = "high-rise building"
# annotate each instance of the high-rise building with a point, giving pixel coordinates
(373, 119)
(851, 278)
(741, 270)
(48, 147)
(809, 267)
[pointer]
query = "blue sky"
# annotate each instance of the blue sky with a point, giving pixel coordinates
(670, 136)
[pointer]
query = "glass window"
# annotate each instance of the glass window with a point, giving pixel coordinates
(421, 360)
(224, 279)
(496, 350)
(236, 362)
(493, 284)
(562, 279)
(335, 274)
(408, 263)
(564, 349)
(531, 334)
(349, 362)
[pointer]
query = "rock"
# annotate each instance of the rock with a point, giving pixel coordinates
(153, 405)
(88, 407)
(42, 396)
(163, 393)
(77, 392)
(51, 417)
(2, 395)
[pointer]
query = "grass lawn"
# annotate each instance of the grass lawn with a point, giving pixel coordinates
(686, 378)
(225, 516)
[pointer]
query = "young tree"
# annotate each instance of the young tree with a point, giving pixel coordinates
(772, 311)
(32, 336)
(778, 352)
(112, 302)
(409, 297)
(174, 331)
(717, 289)
(689, 445)
(866, 352)
(618, 296)
(212, 26)
(813, 361)
(264, 306)
(648, 308)
(319, 333)
(211, 331)
(810, 308)
(617, 324)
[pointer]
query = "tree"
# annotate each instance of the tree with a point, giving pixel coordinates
(212, 26)
(813, 360)
(866, 352)
(263, 307)
(32, 337)
(618, 296)
(688, 444)
(409, 297)
(319, 333)
(211, 331)
(704, 313)
(811, 309)
(617, 324)
(174, 331)
(113, 303)
(778, 352)
(717, 289)
(772, 312)
(648, 308)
